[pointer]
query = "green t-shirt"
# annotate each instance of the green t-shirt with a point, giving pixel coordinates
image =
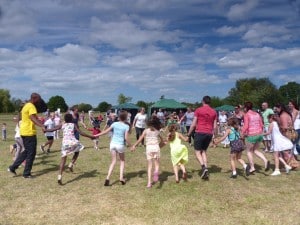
(265, 115)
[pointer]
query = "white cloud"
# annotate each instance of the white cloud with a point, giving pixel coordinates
(229, 30)
(241, 11)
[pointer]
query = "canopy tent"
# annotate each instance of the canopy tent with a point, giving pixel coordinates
(166, 104)
(225, 108)
(125, 106)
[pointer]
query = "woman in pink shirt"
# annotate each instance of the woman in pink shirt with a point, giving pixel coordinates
(252, 130)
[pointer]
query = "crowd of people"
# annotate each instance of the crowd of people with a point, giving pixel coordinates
(242, 129)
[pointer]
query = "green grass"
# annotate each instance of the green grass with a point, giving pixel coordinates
(260, 199)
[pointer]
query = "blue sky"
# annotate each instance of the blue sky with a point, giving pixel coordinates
(89, 51)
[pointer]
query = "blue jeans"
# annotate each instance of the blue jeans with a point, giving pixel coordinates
(30, 143)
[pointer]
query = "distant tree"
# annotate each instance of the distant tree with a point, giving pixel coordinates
(142, 104)
(254, 90)
(56, 102)
(162, 97)
(84, 107)
(216, 101)
(103, 107)
(5, 103)
(290, 91)
(17, 103)
(123, 99)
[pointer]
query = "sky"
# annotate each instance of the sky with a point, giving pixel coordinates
(90, 51)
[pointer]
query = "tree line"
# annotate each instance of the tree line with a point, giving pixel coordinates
(250, 89)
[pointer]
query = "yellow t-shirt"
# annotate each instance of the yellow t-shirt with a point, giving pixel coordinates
(27, 127)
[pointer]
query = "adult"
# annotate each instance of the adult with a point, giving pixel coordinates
(285, 122)
(205, 125)
(222, 119)
(239, 114)
(160, 115)
(188, 117)
(252, 130)
(266, 111)
(139, 123)
(294, 110)
(28, 134)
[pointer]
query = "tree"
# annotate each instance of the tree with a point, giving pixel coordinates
(123, 99)
(142, 104)
(5, 103)
(253, 90)
(17, 104)
(290, 91)
(103, 106)
(56, 102)
(216, 101)
(84, 107)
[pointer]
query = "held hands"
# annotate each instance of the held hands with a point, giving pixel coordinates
(132, 148)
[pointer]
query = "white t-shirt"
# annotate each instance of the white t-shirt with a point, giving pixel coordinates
(297, 122)
(140, 120)
(222, 118)
(50, 125)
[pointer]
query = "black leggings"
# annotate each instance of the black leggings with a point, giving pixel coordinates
(138, 132)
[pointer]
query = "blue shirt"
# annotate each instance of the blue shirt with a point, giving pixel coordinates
(119, 130)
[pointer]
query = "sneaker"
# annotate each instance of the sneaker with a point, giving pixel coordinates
(48, 150)
(106, 183)
(276, 173)
(123, 182)
(12, 171)
(204, 174)
(233, 176)
(70, 167)
(28, 176)
(247, 170)
(288, 168)
(59, 179)
(149, 185)
(42, 148)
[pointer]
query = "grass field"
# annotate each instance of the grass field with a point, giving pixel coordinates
(83, 199)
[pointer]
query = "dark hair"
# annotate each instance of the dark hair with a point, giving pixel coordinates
(206, 99)
(154, 122)
(283, 108)
(294, 104)
(172, 132)
(123, 115)
(248, 106)
(68, 118)
(233, 121)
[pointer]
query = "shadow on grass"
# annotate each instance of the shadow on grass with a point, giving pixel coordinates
(163, 177)
(131, 175)
(92, 173)
(50, 168)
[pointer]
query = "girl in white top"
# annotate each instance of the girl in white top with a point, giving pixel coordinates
(280, 144)
(154, 142)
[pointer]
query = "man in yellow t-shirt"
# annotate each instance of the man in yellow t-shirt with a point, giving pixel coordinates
(28, 133)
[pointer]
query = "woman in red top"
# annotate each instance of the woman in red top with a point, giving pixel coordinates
(252, 130)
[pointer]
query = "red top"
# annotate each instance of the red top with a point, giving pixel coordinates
(205, 119)
(95, 130)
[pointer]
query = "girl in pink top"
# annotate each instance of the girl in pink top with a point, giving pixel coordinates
(252, 130)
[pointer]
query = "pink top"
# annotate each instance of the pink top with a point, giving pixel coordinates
(253, 124)
(205, 119)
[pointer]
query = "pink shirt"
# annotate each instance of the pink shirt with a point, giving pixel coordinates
(205, 119)
(253, 124)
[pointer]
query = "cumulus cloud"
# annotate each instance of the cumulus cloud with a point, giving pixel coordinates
(241, 11)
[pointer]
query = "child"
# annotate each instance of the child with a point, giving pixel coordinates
(152, 139)
(119, 139)
(95, 130)
(69, 143)
(49, 124)
(280, 144)
(111, 119)
(179, 152)
(3, 131)
(235, 153)
(19, 147)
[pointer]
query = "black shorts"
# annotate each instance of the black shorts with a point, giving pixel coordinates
(49, 138)
(202, 141)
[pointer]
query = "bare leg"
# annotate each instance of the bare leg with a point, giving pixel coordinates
(122, 166)
(276, 160)
(232, 162)
(112, 164)
(62, 164)
(175, 168)
(149, 172)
